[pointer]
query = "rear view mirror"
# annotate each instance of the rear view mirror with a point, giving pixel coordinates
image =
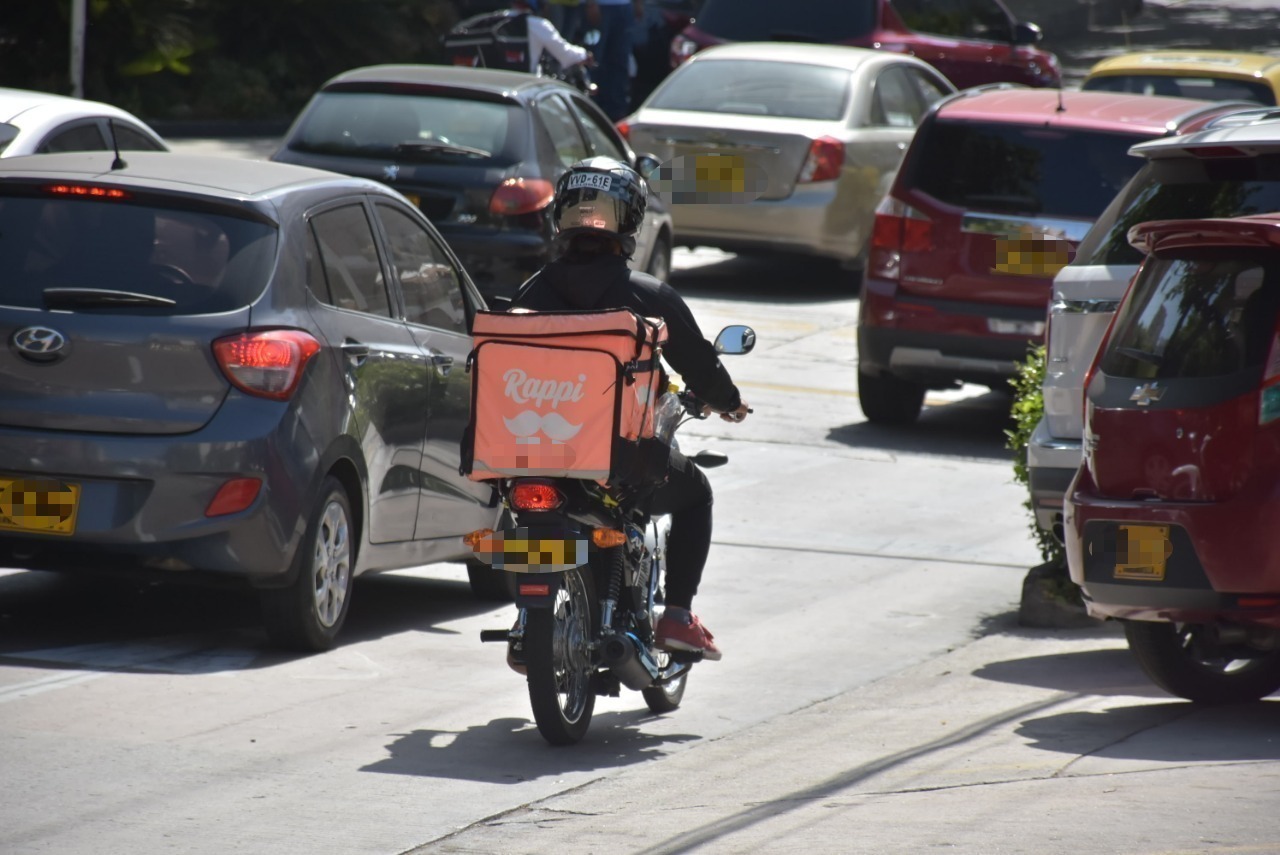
(1026, 33)
(646, 165)
(736, 339)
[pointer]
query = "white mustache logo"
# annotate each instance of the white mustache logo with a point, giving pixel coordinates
(553, 425)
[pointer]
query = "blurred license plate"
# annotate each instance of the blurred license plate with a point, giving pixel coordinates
(1030, 257)
(531, 555)
(38, 505)
(1031, 329)
(1142, 551)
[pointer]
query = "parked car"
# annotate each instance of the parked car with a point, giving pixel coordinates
(994, 194)
(1230, 168)
(478, 150)
(40, 122)
(823, 128)
(1211, 75)
(232, 369)
(972, 42)
(1171, 519)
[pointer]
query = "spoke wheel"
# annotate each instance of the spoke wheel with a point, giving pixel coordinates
(557, 647)
(1177, 660)
(308, 614)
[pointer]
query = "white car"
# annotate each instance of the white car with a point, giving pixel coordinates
(41, 123)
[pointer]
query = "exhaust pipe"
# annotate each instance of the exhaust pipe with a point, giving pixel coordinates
(630, 662)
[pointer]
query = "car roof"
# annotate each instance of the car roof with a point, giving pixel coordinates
(1218, 63)
(497, 84)
(1099, 111)
(14, 102)
(839, 56)
(1257, 230)
(1248, 132)
(205, 175)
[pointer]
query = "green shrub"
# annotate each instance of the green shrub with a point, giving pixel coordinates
(1027, 408)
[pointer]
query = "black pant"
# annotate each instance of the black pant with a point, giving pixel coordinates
(686, 496)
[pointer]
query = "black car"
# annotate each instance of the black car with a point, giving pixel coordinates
(478, 150)
(218, 368)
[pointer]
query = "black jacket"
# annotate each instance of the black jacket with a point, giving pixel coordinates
(605, 282)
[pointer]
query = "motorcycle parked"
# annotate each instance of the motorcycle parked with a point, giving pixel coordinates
(587, 615)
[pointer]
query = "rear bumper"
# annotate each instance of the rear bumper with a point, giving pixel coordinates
(1051, 464)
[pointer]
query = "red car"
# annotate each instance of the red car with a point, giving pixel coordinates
(972, 42)
(994, 194)
(1172, 518)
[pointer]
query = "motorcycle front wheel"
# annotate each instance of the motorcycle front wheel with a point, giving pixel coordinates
(557, 648)
(1175, 660)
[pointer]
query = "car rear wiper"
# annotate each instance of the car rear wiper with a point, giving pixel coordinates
(429, 147)
(66, 298)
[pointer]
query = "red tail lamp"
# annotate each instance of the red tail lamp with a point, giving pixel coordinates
(536, 496)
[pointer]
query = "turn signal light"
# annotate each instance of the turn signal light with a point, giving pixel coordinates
(233, 497)
(536, 496)
(521, 196)
(473, 539)
(606, 538)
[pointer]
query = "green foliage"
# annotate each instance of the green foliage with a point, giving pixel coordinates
(1027, 408)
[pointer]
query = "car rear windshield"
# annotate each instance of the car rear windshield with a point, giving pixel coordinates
(788, 90)
(1196, 316)
(1204, 88)
(1181, 188)
(408, 127)
(64, 253)
(1019, 169)
(799, 20)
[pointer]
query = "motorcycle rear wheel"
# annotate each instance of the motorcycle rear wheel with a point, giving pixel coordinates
(1170, 656)
(557, 648)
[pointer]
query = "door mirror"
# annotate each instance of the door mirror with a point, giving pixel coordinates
(736, 339)
(591, 38)
(1026, 33)
(647, 164)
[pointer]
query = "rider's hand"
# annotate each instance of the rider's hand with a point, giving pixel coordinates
(738, 414)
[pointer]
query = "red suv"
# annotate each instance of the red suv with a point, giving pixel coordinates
(1171, 520)
(972, 42)
(991, 200)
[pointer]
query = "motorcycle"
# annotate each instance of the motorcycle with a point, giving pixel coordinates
(587, 615)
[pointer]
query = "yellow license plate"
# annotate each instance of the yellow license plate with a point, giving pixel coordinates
(1029, 257)
(528, 555)
(38, 505)
(1142, 552)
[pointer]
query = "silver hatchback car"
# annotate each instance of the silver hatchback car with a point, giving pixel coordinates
(226, 368)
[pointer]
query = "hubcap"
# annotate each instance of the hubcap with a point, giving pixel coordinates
(331, 564)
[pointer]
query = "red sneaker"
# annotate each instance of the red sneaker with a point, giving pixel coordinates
(693, 637)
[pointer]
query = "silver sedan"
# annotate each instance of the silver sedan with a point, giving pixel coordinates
(40, 123)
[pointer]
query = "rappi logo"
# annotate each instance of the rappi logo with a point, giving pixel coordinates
(523, 389)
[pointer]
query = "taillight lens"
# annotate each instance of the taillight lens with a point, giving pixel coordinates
(826, 157)
(898, 229)
(624, 129)
(535, 496)
(521, 196)
(266, 364)
(682, 47)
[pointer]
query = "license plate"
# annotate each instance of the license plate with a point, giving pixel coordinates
(38, 505)
(1031, 257)
(1142, 552)
(531, 555)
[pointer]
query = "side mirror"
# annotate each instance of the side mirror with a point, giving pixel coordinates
(736, 339)
(591, 38)
(647, 164)
(710, 459)
(1026, 33)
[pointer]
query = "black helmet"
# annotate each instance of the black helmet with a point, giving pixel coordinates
(599, 195)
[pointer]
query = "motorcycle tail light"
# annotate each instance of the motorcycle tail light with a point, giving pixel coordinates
(521, 196)
(266, 364)
(826, 157)
(536, 496)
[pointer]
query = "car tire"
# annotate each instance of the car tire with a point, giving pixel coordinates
(659, 266)
(888, 400)
(308, 614)
(1168, 653)
(490, 584)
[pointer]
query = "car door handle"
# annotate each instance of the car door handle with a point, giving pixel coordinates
(355, 351)
(443, 362)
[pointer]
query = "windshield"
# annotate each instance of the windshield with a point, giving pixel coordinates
(71, 253)
(1182, 188)
(1020, 169)
(1185, 86)
(379, 124)
(799, 20)
(784, 89)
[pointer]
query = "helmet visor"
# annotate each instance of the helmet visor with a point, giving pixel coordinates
(587, 203)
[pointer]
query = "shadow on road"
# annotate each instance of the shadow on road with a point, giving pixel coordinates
(750, 278)
(969, 427)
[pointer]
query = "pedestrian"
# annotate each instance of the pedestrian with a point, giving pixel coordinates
(613, 18)
(545, 38)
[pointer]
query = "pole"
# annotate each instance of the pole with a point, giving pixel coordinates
(78, 17)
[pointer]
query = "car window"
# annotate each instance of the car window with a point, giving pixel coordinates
(565, 136)
(603, 142)
(789, 90)
(1185, 86)
(961, 19)
(431, 286)
(896, 102)
(1021, 169)
(201, 261)
(349, 258)
(1196, 316)
(132, 139)
(800, 20)
(81, 137)
(1178, 188)
(931, 87)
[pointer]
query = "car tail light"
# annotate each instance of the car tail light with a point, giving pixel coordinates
(233, 497)
(521, 196)
(624, 129)
(682, 47)
(1269, 396)
(87, 191)
(898, 229)
(266, 364)
(536, 496)
(468, 61)
(826, 157)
